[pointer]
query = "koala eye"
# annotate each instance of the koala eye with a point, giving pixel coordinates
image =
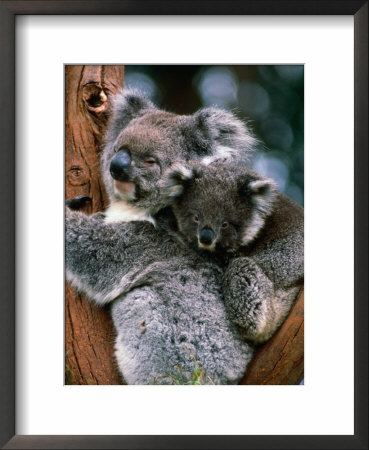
(149, 162)
(225, 225)
(196, 218)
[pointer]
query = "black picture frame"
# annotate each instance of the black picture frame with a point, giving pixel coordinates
(8, 11)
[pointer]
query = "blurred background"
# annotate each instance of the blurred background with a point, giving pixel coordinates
(270, 98)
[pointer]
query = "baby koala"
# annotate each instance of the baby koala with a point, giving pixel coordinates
(254, 232)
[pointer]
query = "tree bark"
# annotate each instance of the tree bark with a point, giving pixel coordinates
(89, 332)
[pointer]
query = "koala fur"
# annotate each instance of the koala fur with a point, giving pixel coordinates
(166, 299)
(256, 233)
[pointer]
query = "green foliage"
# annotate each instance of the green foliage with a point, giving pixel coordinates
(197, 376)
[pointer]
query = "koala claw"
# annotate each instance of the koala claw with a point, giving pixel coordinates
(77, 203)
(142, 324)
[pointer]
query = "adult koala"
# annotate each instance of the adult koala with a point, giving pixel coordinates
(167, 303)
(143, 141)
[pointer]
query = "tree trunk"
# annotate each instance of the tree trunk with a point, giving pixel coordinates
(89, 332)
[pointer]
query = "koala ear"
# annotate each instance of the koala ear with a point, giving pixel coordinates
(222, 137)
(175, 180)
(126, 105)
(261, 193)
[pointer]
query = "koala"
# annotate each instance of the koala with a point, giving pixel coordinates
(166, 299)
(254, 232)
(143, 141)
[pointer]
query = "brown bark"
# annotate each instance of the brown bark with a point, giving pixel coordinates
(281, 359)
(89, 332)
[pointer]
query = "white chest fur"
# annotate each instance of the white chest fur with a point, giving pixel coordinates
(123, 212)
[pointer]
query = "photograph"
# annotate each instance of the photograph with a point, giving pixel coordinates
(177, 178)
(184, 224)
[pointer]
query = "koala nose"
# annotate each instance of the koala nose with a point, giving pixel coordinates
(206, 236)
(119, 166)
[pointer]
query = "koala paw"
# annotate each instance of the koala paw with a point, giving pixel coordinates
(247, 293)
(77, 203)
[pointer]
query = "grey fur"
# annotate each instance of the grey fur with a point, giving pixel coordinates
(258, 236)
(166, 299)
